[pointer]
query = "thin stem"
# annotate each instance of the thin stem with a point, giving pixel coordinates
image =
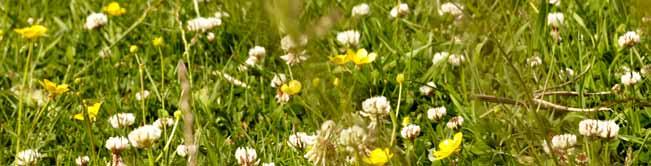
(394, 118)
(22, 97)
(150, 157)
(162, 74)
(142, 92)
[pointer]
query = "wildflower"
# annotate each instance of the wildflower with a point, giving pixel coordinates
(258, 52)
(288, 43)
(555, 19)
(82, 160)
(447, 147)
(534, 61)
(439, 57)
(455, 122)
(406, 121)
(323, 147)
(452, 9)
(142, 95)
(582, 158)
(158, 41)
(181, 150)
(436, 114)
(28, 157)
(629, 39)
(348, 38)
(630, 78)
(567, 73)
(117, 144)
(282, 97)
(53, 89)
(268, 164)
(603, 129)
(400, 78)
(378, 157)
(294, 58)
(399, 11)
(617, 88)
(233, 80)
(353, 138)
(555, 2)
(300, 140)
(210, 36)
(291, 88)
(588, 127)
(121, 120)
(221, 14)
(93, 111)
(363, 57)
(178, 114)
(246, 156)
(410, 132)
(375, 108)
(608, 129)
(278, 80)
(646, 70)
(145, 136)
(203, 24)
(427, 89)
(32, 32)
(456, 60)
(163, 122)
(563, 141)
(95, 20)
(133, 48)
(360, 10)
(114, 9)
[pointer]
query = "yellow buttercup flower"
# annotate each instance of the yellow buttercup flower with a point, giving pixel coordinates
(363, 57)
(448, 147)
(114, 9)
(133, 48)
(158, 41)
(378, 157)
(54, 89)
(343, 59)
(32, 32)
(93, 111)
(406, 121)
(291, 88)
(400, 78)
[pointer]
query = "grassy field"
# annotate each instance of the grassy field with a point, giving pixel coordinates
(325, 82)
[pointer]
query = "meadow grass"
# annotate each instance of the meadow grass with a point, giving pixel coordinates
(509, 101)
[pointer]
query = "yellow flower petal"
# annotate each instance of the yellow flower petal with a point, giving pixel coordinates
(53, 88)
(378, 157)
(93, 111)
(339, 59)
(448, 147)
(291, 88)
(32, 32)
(114, 9)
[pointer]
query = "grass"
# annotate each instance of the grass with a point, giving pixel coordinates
(493, 90)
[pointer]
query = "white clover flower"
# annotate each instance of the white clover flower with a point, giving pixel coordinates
(534, 61)
(82, 160)
(427, 89)
(268, 164)
(258, 52)
(300, 140)
(181, 150)
(145, 136)
(28, 157)
(376, 107)
(630, 78)
(278, 80)
(555, 2)
(121, 120)
(564, 141)
(203, 24)
(555, 19)
(348, 38)
(294, 58)
(142, 95)
(323, 149)
(288, 43)
(95, 20)
(410, 131)
(452, 9)
(360, 10)
(399, 11)
(567, 73)
(588, 127)
(629, 39)
(117, 144)
(456, 60)
(608, 129)
(352, 137)
(455, 122)
(439, 57)
(210, 36)
(246, 156)
(221, 14)
(436, 114)
(233, 80)
(163, 122)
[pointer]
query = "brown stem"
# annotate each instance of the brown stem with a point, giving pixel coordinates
(188, 118)
(571, 93)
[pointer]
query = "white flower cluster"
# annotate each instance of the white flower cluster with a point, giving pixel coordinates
(360, 10)
(555, 19)
(233, 80)
(564, 141)
(353, 137)
(410, 131)
(203, 24)
(452, 9)
(399, 11)
(555, 2)
(141, 95)
(456, 60)
(256, 54)
(427, 89)
(117, 144)
(348, 38)
(121, 120)
(455, 122)
(630, 78)
(145, 136)
(294, 49)
(534, 61)
(95, 20)
(439, 57)
(246, 156)
(82, 160)
(28, 157)
(436, 114)
(163, 122)
(629, 39)
(600, 128)
(376, 107)
(181, 150)
(300, 140)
